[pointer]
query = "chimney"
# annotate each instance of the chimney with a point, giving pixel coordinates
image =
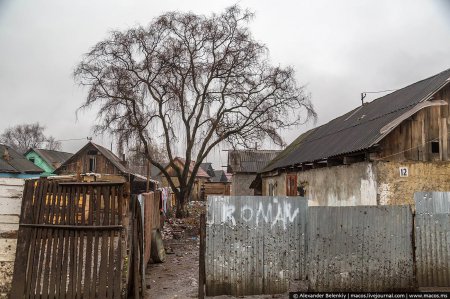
(6, 155)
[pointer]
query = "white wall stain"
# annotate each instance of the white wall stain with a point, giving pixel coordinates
(384, 192)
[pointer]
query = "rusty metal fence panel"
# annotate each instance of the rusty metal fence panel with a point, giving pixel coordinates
(367, 248)
(432, 238)
(254, 244)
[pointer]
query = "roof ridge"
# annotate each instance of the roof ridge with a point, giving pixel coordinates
(365, 121)
(375, 117)
(50, 150)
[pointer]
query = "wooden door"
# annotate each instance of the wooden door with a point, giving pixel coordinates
(291, 184)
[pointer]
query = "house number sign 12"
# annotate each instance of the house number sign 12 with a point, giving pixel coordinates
(403, 171)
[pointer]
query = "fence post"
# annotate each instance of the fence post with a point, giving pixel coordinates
(201, 260)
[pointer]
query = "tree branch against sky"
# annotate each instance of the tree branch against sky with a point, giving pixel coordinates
(193, 80)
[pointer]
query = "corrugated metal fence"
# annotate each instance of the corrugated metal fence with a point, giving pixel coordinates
(365, 248)
(432, 238)
(257, 245)
(254, 245)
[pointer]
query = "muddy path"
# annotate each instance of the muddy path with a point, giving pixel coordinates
(177, 277)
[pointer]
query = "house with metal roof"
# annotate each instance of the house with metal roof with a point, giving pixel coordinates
(379, 153)
(48, 160)
(244, 166)
(200, 179)
(14, 165)
(207, 167)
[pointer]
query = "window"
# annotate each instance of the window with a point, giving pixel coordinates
(31, 159)
(272, 188)
(291, 185)
(435, 147)
(92, 164)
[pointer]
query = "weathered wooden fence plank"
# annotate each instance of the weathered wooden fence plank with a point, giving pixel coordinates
(70, 241)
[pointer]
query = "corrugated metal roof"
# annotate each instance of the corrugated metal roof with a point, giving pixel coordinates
(249, 160)
(52, 158)
(360, 128)
(207, 166)
(5, 167)
(219, 176)
(16, 163)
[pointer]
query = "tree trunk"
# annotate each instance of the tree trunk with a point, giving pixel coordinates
(182, 199)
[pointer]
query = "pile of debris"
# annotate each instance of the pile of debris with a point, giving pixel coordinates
(187, 227)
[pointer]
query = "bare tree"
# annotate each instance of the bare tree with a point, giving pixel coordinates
(194, 81)
(137, 158)
(25, 136)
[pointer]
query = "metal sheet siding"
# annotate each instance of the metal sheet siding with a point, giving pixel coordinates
(360, 248)
(254, 245)
(432, 238)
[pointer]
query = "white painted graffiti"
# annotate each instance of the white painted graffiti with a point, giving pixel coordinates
(270, 213)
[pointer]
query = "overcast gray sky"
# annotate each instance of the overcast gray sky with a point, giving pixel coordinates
(338, 49)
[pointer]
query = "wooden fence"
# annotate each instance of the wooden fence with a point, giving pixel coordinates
(73, 241)
(217, 188)
(151, 220)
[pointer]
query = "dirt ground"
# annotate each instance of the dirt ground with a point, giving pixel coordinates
(177, 277)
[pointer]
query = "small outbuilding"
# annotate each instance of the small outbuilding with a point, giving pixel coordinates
(244, 166)
(95, 162)
(200, 179)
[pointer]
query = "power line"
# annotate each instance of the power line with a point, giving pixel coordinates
(387, 90)
(364, 93)
(75, 139)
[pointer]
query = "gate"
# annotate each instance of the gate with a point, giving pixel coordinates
(72, 241)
